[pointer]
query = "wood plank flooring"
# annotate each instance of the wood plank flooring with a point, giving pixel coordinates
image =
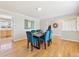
(56, 49)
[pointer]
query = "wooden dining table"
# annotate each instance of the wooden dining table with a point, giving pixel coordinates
(38, 35)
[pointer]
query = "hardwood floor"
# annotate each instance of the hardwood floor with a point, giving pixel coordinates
(57, 48)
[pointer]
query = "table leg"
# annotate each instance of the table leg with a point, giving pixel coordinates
(27, 44)
(39, 43)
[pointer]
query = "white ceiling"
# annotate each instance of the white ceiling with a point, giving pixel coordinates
(49, 8)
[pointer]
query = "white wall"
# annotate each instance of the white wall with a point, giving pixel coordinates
(70, 30)
(72, 34)
(18, 20)
(44, 24)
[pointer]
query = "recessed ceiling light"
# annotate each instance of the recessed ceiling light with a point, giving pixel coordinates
(38, 9)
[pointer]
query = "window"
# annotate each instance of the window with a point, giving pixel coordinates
(28, 24)
(77, 25)
(69, 25)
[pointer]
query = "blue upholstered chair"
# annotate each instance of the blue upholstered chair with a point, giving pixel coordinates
(31, 39)
(45, 38)
(50, 36)
(39, 31)
(50, 30)
(33, 31)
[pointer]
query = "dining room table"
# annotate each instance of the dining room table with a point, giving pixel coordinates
(38, 35)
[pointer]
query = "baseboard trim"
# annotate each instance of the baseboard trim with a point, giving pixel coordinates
(71, 40)
(19, 39)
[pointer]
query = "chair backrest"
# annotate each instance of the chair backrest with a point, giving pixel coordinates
(33, 31)
(29, 36)
(39, 30)
(46, 36)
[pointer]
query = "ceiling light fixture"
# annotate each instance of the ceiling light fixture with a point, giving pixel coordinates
(38, 9)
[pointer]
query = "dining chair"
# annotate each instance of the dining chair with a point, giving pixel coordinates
(31, 39)
(39, 30)
(33, 31)
(50, 30)
(45, 38)
(50, 37)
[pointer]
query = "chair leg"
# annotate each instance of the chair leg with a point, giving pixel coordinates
(48, 43)
(27, 44)
(51, 41)
(39, 44)
(36, 43)
(44, 45)
(31, 47)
